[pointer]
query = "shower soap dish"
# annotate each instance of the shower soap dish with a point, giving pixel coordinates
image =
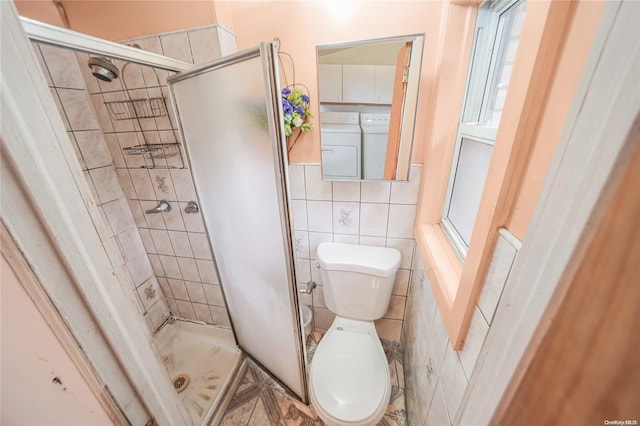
(137, 108)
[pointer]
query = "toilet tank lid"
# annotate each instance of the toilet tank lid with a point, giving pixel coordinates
(379, 261)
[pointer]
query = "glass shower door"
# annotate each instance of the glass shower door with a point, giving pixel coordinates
(228, 112)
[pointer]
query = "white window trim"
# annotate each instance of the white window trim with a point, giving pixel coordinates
(473, 105)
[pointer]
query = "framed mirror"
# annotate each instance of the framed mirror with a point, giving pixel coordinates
(368, 93)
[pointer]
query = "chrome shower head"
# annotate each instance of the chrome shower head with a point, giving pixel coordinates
(103, 68)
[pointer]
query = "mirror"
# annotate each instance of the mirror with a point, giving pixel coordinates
(368, 94)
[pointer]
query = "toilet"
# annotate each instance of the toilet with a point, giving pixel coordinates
(349, 379)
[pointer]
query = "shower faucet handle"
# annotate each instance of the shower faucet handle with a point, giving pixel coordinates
(310, 286)
(192, 207)
(163, 206)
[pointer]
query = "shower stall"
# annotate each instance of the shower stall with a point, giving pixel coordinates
(186, 165)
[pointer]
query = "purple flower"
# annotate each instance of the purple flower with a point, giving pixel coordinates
(287, 107)
(286, 91)
(305, 98)
(300, 110)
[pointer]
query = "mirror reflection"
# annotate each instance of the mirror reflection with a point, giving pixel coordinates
(368, 93)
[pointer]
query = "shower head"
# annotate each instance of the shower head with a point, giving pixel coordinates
(103, 68)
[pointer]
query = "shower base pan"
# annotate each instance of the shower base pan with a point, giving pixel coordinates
(207, 355)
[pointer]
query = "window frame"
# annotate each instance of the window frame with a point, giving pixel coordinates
(488, 36)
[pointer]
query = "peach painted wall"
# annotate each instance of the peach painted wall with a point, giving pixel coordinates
(32, 357)
(579, 40)
(43, 11)
(302, 25)
(120, 20)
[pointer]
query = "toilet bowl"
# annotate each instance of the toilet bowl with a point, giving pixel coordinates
(306, 316)
(349, 378)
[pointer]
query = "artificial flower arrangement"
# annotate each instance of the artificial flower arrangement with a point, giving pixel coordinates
(295, 105)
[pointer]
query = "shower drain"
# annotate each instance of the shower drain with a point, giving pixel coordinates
(180, 382)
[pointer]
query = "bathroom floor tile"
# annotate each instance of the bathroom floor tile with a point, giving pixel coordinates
(259, 400)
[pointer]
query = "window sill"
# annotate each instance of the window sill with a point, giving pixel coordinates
(441, 263)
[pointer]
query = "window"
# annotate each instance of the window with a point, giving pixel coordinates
(497, 33)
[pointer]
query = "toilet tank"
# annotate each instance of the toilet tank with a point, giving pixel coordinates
(357, 280)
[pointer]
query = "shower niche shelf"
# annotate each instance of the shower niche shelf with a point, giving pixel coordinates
(137, 108)
(160, 150)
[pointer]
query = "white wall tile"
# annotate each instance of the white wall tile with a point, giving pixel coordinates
(439, 338)
(93, 149)
(158, 313)
(188, 268)
(375, 192)
(405, 246)
(346, 191)
(180, 244)
(372, 241)
(303, 271)
(78, 109)
(437, 414)
(499, 268)
(162, 242)
(407, 192)
(200, 246)
(106, 184)
(296, 182)
(207, 271)
(319, 215)
(401, 283)
(118, 215)
(401, 219)
(316, 188)
(140, 270)
(228, 43)
(453, 381)
(147, 241)
(176, 45)
(192, 221)
(130, 244)
(186, 310)
(301, 244)
(149, 292)
(178, 289)
(42, 63)
(170, 267)
(173, 219)
(196, 292)
(220, 316)
(127, 185)
(183, 185)
(346, 217)
(478, 330)
(299, 213)
(156, 265)
(202, 312)
(316, 238)
(213, 294)
(373, 219)
(204, 45)
(163, 185)
(142, 184)
(63, 67)
(346, 239)
(150, 44)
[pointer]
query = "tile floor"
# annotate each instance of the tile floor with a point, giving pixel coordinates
(260, 401)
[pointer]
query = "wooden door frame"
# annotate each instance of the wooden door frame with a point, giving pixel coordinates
(49, 211)
(594, 150)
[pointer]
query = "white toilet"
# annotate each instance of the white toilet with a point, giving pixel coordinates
(349, 379)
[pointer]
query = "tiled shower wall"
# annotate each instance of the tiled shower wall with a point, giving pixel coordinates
(65, 79)
(436, 375)
(178, 257)
(374, 213)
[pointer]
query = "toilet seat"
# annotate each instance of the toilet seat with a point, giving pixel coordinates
(349, 379)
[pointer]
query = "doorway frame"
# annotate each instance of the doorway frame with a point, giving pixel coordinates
(50, 184)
